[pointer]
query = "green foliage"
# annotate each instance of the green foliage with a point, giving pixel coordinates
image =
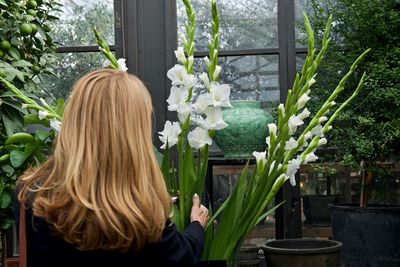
(369, 129)
(26, 50)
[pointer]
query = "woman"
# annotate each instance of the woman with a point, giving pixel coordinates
(101, 199)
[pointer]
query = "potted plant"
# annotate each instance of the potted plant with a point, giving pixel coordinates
(368, 136)
(200, 116)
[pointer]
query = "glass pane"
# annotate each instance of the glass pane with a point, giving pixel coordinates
(244, 24)
(70, 67)
(300, 58)
(300, 7)
(77, 19)
(250, 77)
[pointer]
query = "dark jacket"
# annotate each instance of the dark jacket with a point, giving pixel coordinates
(45, 249)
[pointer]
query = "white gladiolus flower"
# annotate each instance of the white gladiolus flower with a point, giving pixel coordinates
(292, 167)
(106, 63)
(292, 143)
(55, 124)
(203, 102)
(206, 81)
(302, 101)
(317, 130)
(214, 120)
(310, 157)
(180, 55)
(272, 128)
(294, 121)
(199, 138)
(216, 72)
(122, 64)
(304, 114)
(322, 141)
(184, 112)
(170, 134)
(220, 94)
(179, 76)
(177, 97)
(42, 114)
(261, 157)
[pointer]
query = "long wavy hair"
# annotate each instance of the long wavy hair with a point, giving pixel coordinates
(102, 188)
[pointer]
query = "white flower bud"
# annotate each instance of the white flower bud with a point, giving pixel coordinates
(216, 72)
(322, 119)
(322, 141)
(207, 61)
(272, 128)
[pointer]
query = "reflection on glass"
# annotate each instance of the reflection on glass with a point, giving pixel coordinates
(77, 19)
(300, 58)
(250, 77)
(300, 7)
(244, 24)
(70, 68)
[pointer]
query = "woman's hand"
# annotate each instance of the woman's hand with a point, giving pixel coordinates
(199, 212)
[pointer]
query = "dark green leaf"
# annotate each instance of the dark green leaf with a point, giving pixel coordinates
(18, 157)
(5, 199)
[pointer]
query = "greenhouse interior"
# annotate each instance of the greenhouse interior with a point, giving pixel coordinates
(200, 133)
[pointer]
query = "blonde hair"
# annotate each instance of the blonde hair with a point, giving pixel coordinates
(103, 188)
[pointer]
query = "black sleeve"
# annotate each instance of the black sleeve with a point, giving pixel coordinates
(181, 249)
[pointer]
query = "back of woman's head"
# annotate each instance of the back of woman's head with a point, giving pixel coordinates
(104, 189)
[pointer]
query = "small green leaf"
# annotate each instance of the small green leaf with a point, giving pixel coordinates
(21, 63)
(42, 135)
(14, 52)
(18, 158)
(2, 2)
(5, 200)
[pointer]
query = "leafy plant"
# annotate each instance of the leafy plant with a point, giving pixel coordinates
(369, 130)
(26, 50)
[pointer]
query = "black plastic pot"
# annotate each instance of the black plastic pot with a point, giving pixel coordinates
(370, 236)
(303, 252)
(315, 207)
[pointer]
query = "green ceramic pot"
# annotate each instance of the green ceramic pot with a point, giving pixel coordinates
(247, 130)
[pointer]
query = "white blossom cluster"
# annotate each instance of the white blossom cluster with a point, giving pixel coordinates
(205, 110)
(306, 141)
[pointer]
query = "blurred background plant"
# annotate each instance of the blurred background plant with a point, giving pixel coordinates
(26, 51)
(369, 129)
